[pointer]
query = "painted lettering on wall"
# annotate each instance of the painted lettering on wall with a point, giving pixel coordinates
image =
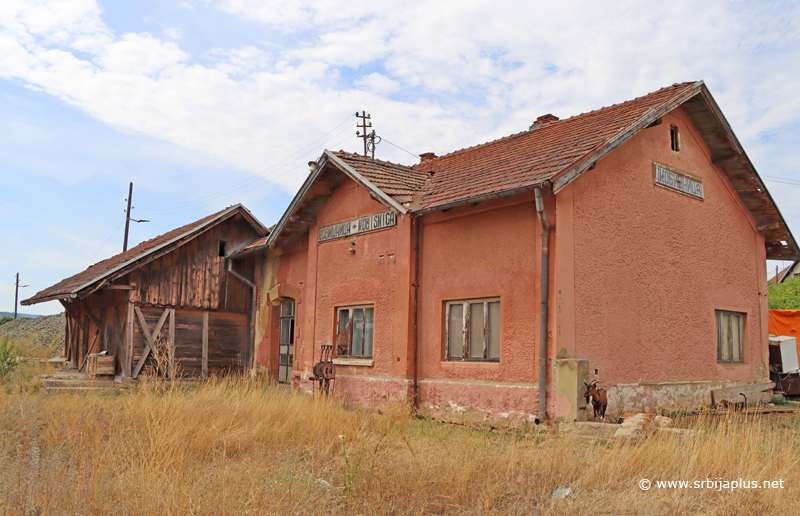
(363, 224)
(679, 182)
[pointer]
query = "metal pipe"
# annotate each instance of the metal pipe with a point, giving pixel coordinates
(417, 223)
(254, 288)
(545, 288)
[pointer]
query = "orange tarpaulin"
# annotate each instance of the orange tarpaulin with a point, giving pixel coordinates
(785, 322)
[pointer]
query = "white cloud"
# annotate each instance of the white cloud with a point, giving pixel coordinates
(186, 5)
(173, 32)
(465, 71)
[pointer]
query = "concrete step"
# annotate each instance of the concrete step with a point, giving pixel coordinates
(58, 382)
(79, 390)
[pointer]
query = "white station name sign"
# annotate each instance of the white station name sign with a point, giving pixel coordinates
(679, 182)
(384, 219)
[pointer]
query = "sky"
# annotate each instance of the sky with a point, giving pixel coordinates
(207, 103)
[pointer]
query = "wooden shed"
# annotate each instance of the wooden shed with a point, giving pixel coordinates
(175, 303)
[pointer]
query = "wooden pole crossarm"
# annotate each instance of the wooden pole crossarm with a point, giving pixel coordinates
(149, 338)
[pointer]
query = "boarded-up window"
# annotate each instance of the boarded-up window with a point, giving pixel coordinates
(354, 331)
(730, 336)
(473, 330)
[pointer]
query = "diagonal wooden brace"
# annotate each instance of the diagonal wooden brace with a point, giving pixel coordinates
(149, 338)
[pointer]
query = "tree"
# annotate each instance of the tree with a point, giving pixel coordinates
(786, 295)
(5, 319)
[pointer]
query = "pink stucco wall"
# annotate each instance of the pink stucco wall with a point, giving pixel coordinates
(649, 265)
(637, 271)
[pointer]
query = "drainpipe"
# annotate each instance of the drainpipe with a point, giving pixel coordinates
(417, 223)
(254, 289)
(545, 275)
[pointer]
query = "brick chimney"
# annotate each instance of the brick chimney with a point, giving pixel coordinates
(543, 120)
(427, 156)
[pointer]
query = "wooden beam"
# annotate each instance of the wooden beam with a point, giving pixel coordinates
(69, 309)
(151, 339)
(129, 340)
(767, 227)
(91, 315)
(89, 351)
(118, 287)
(205, 344)
(724, 157)
(172, 343)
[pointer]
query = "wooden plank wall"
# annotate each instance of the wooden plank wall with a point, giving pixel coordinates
(227, 337)
(195, 276)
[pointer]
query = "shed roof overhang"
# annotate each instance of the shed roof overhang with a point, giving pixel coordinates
(95, 282)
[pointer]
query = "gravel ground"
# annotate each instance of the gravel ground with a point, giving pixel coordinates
(46, 331)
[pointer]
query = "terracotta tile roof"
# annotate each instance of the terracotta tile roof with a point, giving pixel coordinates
(398, 181)
(528, 158)
(101, 269)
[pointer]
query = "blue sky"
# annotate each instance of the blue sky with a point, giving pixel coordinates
(206, 103)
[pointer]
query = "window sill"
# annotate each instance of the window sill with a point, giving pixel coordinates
(471, 362)
(364, 362)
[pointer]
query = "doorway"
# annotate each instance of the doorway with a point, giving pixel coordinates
(286, 344)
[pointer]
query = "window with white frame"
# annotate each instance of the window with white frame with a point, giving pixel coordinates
(354, 326)
(473, 330)
(730, 337)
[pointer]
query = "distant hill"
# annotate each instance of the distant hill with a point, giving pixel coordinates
(11, 314)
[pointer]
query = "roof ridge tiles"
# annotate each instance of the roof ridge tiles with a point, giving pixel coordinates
(551, 124)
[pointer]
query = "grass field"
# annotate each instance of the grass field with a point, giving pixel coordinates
(239, 447)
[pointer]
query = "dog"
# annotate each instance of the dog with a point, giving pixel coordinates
(735, 406)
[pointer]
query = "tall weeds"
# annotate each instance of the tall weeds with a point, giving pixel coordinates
(237, 447)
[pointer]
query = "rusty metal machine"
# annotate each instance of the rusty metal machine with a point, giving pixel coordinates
(324, 370)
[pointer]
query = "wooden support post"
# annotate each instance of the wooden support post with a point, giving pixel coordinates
(172, 343)
(129, 341)
(205, 344)
(67, 334)
(84, 346)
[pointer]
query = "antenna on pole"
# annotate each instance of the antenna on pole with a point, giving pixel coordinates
(128, 218)
(369, 138)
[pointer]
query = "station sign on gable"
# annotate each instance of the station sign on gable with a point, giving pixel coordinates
(678, 181)
(375, 221)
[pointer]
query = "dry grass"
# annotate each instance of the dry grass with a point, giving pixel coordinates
(236, 447)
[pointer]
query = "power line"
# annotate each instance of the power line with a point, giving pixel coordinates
(264, 180)
(99, 236)
(259, 176)
(402, 149)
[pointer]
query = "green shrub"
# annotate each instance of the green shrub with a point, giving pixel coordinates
(5, 319)
(8, 357)
(786, 295)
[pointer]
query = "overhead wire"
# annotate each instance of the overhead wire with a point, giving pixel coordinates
(280, 172)
(253, 179)
(100, 235)
(402, 149)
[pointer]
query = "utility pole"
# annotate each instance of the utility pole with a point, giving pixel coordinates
(364, 116)
(369, 138)
(16, 295)
(128, 218)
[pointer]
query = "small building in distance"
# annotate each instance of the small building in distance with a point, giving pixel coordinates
(788, 272)
(174, 302)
